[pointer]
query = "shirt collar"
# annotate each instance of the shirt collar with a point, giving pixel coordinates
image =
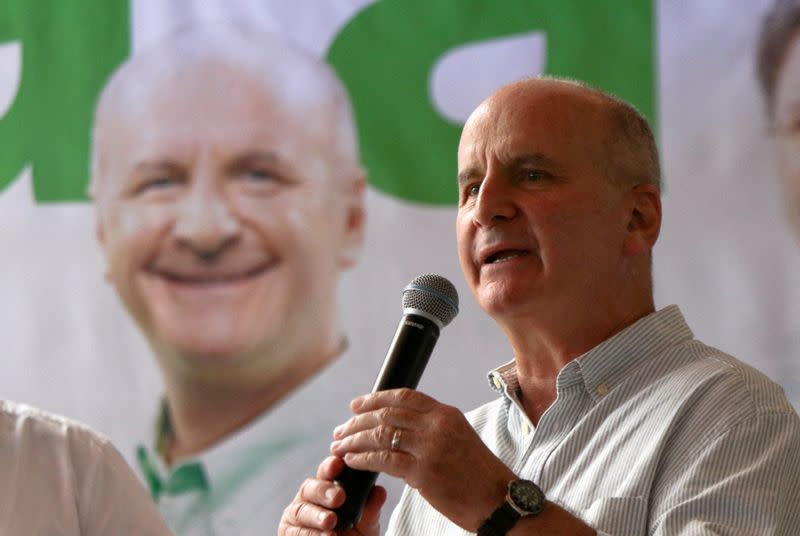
(609, 363)
(606, 365)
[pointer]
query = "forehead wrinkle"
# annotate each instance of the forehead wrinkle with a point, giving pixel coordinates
(467, 175)
(534, 159)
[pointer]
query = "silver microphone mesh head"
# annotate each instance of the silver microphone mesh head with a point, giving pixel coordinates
(432, 295)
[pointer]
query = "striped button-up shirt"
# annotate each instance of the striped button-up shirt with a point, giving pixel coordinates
(652, 433)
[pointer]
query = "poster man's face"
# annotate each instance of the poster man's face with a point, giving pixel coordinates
(786, 120)
(223, 226)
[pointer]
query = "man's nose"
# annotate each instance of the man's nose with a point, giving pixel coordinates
(495, 201)
(205, 224)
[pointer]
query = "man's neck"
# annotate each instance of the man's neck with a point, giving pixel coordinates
(542, 349)
(204, 411)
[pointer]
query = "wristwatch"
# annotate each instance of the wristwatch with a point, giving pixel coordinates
(524, 498)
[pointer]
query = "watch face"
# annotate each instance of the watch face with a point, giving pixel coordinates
(526, 495)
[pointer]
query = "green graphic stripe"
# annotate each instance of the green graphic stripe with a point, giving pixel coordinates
(386, 53)
(68, 50)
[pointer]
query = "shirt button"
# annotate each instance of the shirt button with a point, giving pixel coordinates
(496, 382)
(602, 389)
(526, 428)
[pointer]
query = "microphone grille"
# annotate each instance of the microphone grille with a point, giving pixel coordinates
(432, 294)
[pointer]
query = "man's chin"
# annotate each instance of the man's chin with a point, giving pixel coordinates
(209, 354)
(505, 300)
(204, 352)
(208, 333)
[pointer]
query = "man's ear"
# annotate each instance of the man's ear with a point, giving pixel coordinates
(100, 234)
(355, 217)
(644, 219)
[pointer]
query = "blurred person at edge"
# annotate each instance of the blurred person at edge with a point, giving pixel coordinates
(229, 198)
(58, 477)
(611, 419)
(778, 70)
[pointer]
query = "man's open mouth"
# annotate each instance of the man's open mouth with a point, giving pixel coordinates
(504, 255)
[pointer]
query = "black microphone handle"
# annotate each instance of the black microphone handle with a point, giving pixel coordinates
(405, 361)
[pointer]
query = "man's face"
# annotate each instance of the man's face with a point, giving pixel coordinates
(223, 227)
(540, 229)
(787, 122)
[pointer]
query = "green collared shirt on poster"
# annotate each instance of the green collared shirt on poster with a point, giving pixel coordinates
(241, 485)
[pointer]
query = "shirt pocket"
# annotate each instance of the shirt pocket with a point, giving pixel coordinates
(617, 516)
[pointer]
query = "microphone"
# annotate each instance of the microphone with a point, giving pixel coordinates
(430, 302)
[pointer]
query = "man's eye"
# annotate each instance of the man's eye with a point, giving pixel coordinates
(534, 174)
(158, 184)
(473, 190)
(258, 175)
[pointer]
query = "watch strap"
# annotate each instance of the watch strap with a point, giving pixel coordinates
(500, 522)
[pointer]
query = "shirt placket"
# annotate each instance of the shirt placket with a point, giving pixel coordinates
(539, 443)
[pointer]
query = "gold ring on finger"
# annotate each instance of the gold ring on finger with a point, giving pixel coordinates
(395, 446)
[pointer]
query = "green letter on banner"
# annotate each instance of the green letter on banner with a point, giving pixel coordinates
(386, 53)
(68, 50)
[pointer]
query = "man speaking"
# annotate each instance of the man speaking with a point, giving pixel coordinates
(229, 200)
(612, 418)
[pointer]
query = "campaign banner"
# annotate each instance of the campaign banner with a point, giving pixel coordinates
(75, 344)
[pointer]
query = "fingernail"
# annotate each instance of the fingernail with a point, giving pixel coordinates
(321, 516)
(334, 446)
(331, 493)
(337, 431)
(357, 403)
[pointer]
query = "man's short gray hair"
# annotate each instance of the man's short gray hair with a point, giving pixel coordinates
(630, 144)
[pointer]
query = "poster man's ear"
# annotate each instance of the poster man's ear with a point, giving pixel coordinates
(355, 221)
(100, 234)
